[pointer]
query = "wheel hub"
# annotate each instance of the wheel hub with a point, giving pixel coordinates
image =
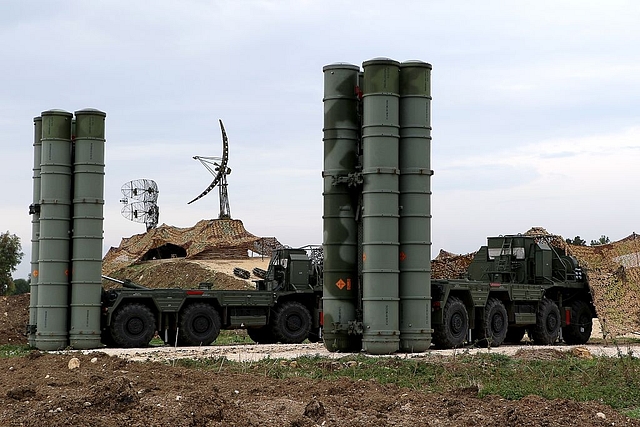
(135, 326)
(201, 324)
(456, 323)
(497, 323)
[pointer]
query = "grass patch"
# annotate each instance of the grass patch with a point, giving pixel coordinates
(233, 337)
(614, 381)
(632, 413)
(9, 350)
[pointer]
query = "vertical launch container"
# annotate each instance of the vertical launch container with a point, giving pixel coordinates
(88, 202)
(55, 218)
(34, 211)
(380, 169)
(415, 202)
(340, 237)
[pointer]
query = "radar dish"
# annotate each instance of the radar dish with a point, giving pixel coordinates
(217, 166)
(144, 208)
(145, 190)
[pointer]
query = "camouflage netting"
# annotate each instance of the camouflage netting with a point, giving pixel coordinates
(208, 239)
(614, 277)
(613, 271)
(448, 265)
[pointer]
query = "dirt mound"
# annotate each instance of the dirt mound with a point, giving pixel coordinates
(186, 274)
(107, 391)
(14, 317)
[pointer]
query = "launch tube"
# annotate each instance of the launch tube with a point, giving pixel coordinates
(380, 135)
(55, 217)
(340, 236)
(415, 200)
(88, 202)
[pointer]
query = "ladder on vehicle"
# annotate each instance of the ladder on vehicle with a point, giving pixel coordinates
(504, 260)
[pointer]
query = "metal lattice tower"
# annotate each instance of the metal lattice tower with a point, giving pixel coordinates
(217, 166)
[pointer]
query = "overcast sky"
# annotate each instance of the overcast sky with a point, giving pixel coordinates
(535, 107)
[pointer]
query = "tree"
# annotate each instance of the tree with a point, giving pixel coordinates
(577, 241)
(21, 286)
(603, 240)
(10, 256)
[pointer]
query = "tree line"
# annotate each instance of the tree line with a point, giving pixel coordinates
(10, 256)
(603, 240)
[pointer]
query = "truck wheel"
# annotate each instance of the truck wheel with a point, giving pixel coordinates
(452, 332)
(579, 330)
(493, 327)
(133, 326)
(547, 326)
(262, 335)
(292, 323)
(199, 325)
(514, 334)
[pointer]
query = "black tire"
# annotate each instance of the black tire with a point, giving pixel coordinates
(291, 323)
(452, 332)
(492, 328)
(262, 335)
(579, 329)
(199, 325)
(133, 325)
(548, 322)
(514, 334)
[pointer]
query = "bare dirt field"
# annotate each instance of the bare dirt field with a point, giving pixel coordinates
(101, 390)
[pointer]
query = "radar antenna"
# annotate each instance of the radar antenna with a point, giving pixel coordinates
(217, 166)
(144, 208)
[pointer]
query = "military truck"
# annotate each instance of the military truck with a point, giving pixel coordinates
(515, 283)
(284, 307)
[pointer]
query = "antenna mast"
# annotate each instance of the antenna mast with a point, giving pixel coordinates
(217, 166)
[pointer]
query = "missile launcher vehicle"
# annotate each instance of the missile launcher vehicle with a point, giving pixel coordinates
(514, 284)
(285, 307)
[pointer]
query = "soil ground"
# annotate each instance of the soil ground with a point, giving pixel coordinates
(140, 387)
(43, 389)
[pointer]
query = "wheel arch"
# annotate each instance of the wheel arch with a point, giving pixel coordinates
(149, 302)
(311, 300)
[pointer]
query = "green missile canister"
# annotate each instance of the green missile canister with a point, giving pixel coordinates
(88, 202)
(55, 221)
(340, 231)
(380, 169)
(34, 211)
(415, 200)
